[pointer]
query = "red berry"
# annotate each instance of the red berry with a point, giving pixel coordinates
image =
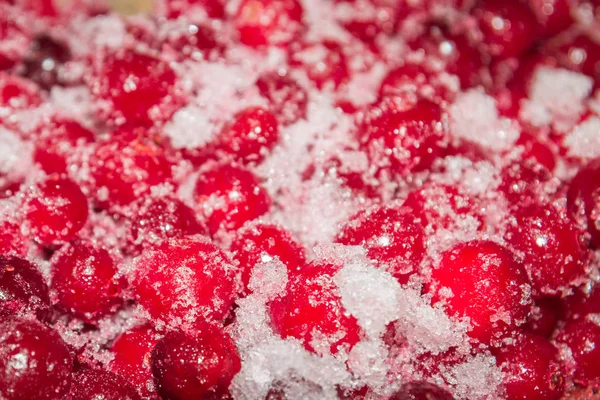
(198, 365)
(86, 280)
(229, 196)
(583, 199)
(99, 384)
(157, 219)
(582, 303)
(22, 288)
(393, 237)
(212, 8)
(544, 317)
(43, 62)
(531, 368)
(536, 150)
(124, 169)
(581, 54)
(552, 249)
(420, 390)
(198, 40)
(34, 362)
(324, 63)
(251, 136)
(287, 99)
(56, 141)
(509, 28)
(582, 339)
(553, 15)
(262, 242)
(55, 210)
(18, 93)
(526, 182)
(405, 138)
(268, 22)
(311, 310)
(487, 285)
(12, 240)
(185, 279)
(131, 353)
(135, 88)
(409, 78)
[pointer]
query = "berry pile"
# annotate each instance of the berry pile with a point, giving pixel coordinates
(300, 199)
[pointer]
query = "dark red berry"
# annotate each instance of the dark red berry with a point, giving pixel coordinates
(287, 99)
(100, 384)
(44, 59)
(268, 22)
(582, 302)
(582, 339)
(544, 317)
(553, 15)
(583, 199)
(198, 41)
(22, 288)
(420, 390)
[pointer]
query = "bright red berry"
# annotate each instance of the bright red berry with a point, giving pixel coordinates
(482, 281)
(544, 317)
(22, 288)
(198, 365)
(177, 8)
(552, 248)
(311, 310)
(583, 199)
(393, 237)
(553, 15)
(229, 196)
(185, 279)
(18, 93)
(582, 339)
(195, 42)
(34, 362)
(268, 22)
(580, 54)
(92, 383)
(421, 390)
(527, 182)
(324, 63)
(287, 99)
(55, 210)
(86, 280)
(12, 240)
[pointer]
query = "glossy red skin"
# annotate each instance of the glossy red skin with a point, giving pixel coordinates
(509, 28)
(393, 237)
(55, 210)
(536, 150)
(311, 303)
(583, 200)
(526, 182)
(268, 22)
(18, 93)
(136, 88)
(258, 242)
(34, 362)
(330, 70)
(157, 219)
(177, 8)
(201, 39)
(408, 77)
(484, 278)
(287, 99)
(228, 196)
(125, 168)
(552, 248)
(97, 383)
(56, 141)
(132, 356)
(251, 135)
(531, 369)
(580, 54)
(554, 16)
(421, 390)
(86, 280)
(412, 134)
(12, 241)
(582, 302)
(582, 338)
(207, 281)
(22, 288)
(44, 60)
(544, 317)
(198, 365)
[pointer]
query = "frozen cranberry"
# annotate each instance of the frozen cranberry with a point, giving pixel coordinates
(582, 302)
(212, 8)
(56, 141)
(45, 57)
(229, 196)
(420, 390)
(509, 28)
(22, 288)
(157, 219)
(553, 15)
(11, 30)
(99, 384)
(582, 338)
(268, 22)
(583, 199)
(125, 168)
(252, 135)
(34, 362)
(263, 242)
(409, 77)
(394, 239)
(581, 54)
(311, 310)
(86, 280)
(131, 353)
(287, 99)
(135, 88)
(197, 365)
(198, 40)
(372, 18)
(12, 240)
(531, 368)
(324, 63)
(487, 285)
(185, 278)
(544, 317)
(526, 182)
(406, 138)
(18, 93)
(536, 150)
(552, 248)
(55, 210)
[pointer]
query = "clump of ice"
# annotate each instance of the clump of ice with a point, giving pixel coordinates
(103, 31)
(476, 378)
(474, 117)
(584, 140)
(190, 128)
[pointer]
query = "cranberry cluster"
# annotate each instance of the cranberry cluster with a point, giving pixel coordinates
(300, 199)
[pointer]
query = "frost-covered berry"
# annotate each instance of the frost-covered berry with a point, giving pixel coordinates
(582, 302)
(86, 280)
(12, 241)
(95, 383)
(195, 365)
(582, 339)
(482, 281)
(311, 310)
(22, 288)
(421, 390)
(324, 63)
(54, 210)
(268, 22)
(526, 182)
(185, 279)
(228, 196)
(287, 99)
(583, 199)
(34, 362)
(18, 93)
